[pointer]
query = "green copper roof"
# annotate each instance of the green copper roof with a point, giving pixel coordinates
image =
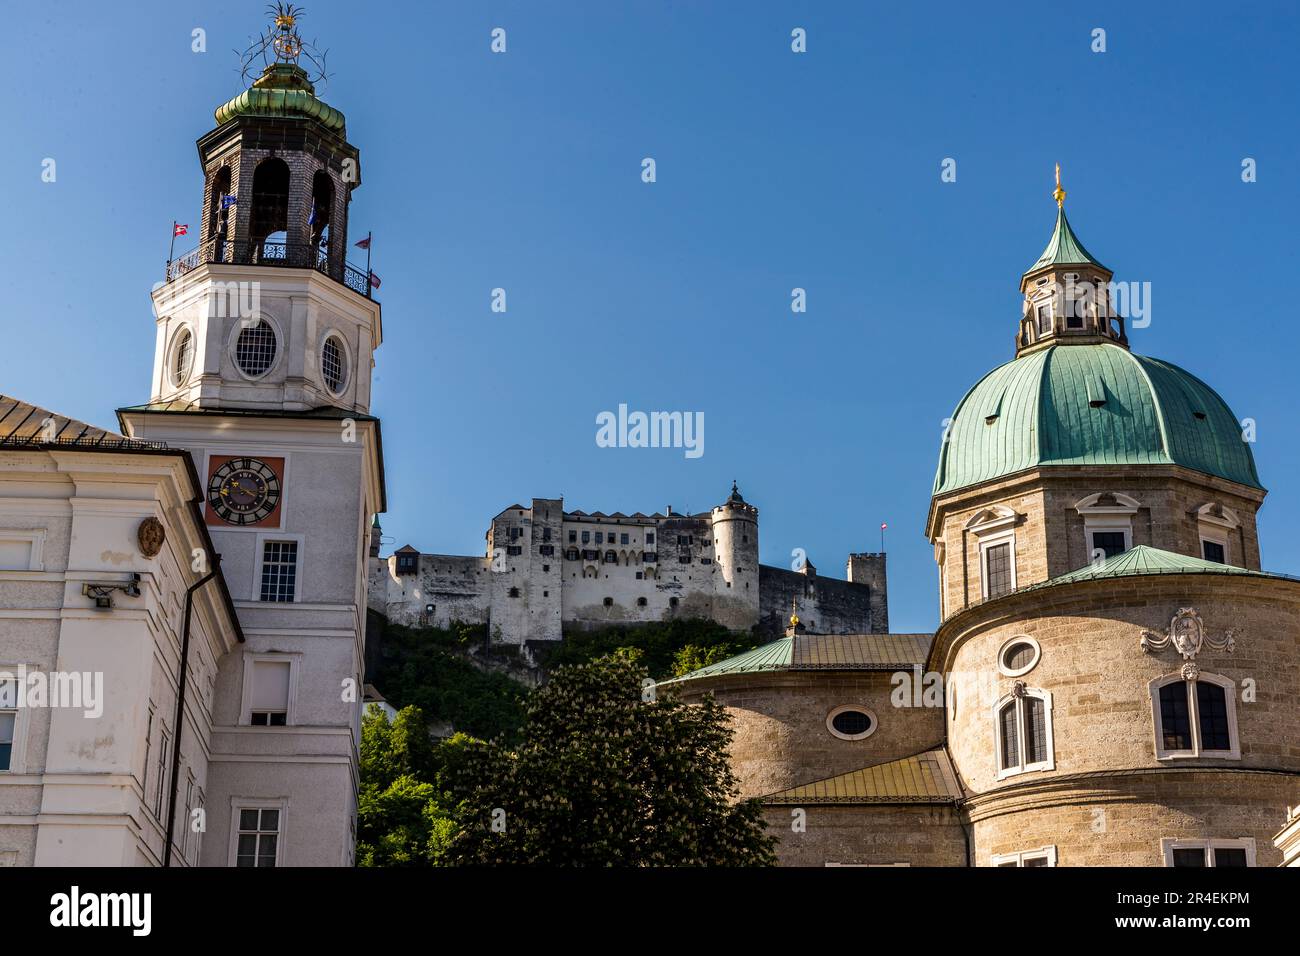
(1064, 248)
(1096, 404)
(844, 652)
(1144, 560)
(282, 90)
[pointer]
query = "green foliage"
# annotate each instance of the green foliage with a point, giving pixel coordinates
(603, 777)
(662, 644)
(404, 815)
(426, 667)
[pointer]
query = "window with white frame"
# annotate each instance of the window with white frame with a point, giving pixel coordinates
(270, 698)
(1043, 856)
(1206, 853)
(257, 840)
(1107, 524)
(8, 723)
(994, 529)
(186, 821)
(1023, 728)
(279, 570)
(1215, 526)
(1195, 717)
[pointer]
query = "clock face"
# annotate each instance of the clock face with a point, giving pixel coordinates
(244, 491)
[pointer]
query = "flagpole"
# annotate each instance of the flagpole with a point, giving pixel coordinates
(171, 250)
(882, 537)
(370, 239)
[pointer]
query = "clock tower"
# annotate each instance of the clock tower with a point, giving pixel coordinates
(265, 337)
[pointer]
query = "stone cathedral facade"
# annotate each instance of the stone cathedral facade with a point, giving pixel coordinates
(1114, 679)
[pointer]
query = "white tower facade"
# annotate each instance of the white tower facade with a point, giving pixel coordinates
(264, 348)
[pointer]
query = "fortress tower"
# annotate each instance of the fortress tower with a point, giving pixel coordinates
(735, 543)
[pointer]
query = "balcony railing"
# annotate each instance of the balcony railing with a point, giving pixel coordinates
(292, 255)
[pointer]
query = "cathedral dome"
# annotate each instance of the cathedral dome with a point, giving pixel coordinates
(1090, 404)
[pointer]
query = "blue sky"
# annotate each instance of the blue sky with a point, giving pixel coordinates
(774, 170)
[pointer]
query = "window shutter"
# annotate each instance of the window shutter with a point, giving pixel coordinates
(1010, 736)
(270, 686)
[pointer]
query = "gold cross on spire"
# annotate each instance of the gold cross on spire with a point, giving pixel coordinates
(1059, 193)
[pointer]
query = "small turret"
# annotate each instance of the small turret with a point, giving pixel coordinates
(735, 542)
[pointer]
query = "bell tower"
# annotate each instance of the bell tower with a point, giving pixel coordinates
(267, 313)
(264, 347)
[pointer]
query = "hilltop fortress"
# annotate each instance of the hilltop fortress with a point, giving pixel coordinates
(546, 569)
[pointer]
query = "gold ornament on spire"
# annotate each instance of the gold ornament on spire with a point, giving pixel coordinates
(1058, 194)
(794, 612)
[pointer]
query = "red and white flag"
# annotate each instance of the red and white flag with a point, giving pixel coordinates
(374, 280)
(883, 526)
(179, 229)
(364, 243)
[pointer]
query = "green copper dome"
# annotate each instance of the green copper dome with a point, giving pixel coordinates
(283, 89)
(1094, 404)
(1064, 248)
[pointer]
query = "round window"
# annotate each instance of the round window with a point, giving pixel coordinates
(182, 357)
(851, 722)
(255, 349)
(1018, 656)
(333, 369)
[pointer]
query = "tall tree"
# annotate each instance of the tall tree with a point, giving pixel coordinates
(608, 774)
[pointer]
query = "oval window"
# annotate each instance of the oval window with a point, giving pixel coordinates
(333, 368)
(851, 722)
(255, 349)
(182, 357)
(1018, 656)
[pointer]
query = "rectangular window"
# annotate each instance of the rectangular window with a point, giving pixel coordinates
(600, 537)
(279, 570)
(515, 549)
(1035, 730)
(997, 569)
(1010, 737)
(1044, 313)
(184, 821)
(1212, 710)
(573, 537)
(1175, 721)
(8, 722)
(163, 755)
(622, 538)
(1109, 542)
(258, 838)
(546, 534)
(548, 550)
(649, 537)
(1209, 853)
(586, 537)
(270, 706)
(1213, 551)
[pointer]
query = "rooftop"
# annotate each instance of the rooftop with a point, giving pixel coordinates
(823, 652)
(922, 778)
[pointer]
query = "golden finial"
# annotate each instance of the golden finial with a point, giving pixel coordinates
(794, 612)
(1059, 193)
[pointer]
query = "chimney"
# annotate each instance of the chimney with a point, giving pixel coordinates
(669, 511)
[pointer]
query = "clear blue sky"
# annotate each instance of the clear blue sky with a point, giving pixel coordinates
(775, 170)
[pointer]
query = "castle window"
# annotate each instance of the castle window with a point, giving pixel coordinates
(571, 554)
(683, 559)
(547, 549)
(407, 563)
(573, 537)
(514, 550)
(706, 560)
(586, 537)
(609, 602)
(1206, 853)
(515, 532)
(622, 538)
(1214, 551)
(649, 537)
(649, 557)
(611, 557)
(1194, 718)
(1023, 721)
(332, 366)
(514, 592)
(546, 568)
(673, 602)
(851, 722)
(1043, 856)
(546, 534)
(1216, 524)
(641, 602)
(1018, 656)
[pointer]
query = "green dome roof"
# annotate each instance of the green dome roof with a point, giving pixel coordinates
(1096, 404)
(283, 89)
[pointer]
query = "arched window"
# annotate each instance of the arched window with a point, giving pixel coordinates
(609, 602)
(571, 554)
(269, 215)
(182, 357)
(641, 602)
(219, 212)
(322, 202)
(1023, 727)
(1195, 715)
